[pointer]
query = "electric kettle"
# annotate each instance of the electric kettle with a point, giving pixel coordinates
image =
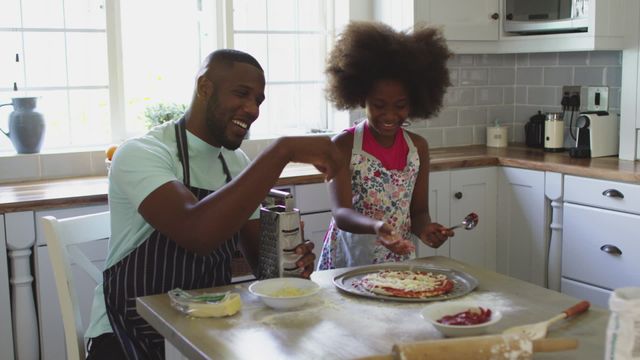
(534, 130)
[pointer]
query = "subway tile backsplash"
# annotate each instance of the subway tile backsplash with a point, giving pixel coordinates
(510, 88)
(504, 88)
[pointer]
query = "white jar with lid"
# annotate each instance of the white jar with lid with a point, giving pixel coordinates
(497, 135)
(623, 331)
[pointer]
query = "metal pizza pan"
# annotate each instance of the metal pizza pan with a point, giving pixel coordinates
(463, 282)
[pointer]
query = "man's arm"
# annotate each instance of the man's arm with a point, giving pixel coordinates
(250, 243)
(202, 226)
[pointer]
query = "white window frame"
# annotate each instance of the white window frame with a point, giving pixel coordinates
(116, 77)
(333, 118)
(356, 10)
(24, 89)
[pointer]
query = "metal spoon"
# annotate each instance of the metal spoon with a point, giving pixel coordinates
(469, 222)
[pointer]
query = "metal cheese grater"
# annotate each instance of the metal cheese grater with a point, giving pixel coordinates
(280, 234)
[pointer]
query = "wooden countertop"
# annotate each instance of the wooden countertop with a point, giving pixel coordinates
(336, 325)
(93, 190)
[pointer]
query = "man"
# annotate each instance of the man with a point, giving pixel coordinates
(182, 198)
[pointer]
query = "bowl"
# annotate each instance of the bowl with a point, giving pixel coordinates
(434, 312)
(284, 293)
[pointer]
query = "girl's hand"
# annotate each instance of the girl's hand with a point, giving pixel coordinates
(435, 235)
(389, 239)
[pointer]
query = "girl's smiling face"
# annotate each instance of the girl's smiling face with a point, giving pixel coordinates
(387, 107)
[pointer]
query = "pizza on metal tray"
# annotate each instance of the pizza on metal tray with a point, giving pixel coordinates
(405, 283)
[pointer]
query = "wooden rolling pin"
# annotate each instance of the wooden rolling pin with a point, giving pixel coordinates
(477, 347)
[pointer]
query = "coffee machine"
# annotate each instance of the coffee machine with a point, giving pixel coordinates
(597, 135)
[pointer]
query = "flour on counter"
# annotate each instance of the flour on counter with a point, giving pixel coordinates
(519, 350)
(493, 301)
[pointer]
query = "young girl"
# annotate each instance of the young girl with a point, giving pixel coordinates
(380, 196)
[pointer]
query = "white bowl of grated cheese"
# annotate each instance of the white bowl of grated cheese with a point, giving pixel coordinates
(284, 293)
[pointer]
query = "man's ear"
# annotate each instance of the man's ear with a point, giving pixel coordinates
(204, 88)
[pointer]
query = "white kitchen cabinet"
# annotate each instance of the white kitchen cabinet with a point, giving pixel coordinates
(315, 229)
(630, 85)
(313, 198)
(475, 27)
(475, 190)
(20, 238)
(468, 190)
(315, 208)
(52, 344)
(606, 32)
(522, 224)
(6, 340)
(600, 237)
(461, 19)
(439, 210)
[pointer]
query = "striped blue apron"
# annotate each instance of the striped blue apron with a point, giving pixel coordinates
(157, 266)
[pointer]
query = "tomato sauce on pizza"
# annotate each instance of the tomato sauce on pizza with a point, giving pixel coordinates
(405, 283)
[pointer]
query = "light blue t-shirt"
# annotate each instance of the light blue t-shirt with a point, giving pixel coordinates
(140, 166)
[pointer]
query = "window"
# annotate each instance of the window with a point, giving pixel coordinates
(57, 51)
(96, 65)
(161, 53)
(290, 39)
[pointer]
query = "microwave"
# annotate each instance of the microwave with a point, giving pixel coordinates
(546, 16)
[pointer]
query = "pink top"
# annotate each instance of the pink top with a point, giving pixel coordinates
(392, 158)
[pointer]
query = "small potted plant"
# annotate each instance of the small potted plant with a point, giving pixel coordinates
(160, 113)
(154, 115)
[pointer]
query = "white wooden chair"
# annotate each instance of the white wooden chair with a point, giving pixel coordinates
(63, 236)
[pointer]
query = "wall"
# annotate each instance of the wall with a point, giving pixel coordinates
(509, 88)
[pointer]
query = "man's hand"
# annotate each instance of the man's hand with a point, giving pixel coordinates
(388, 238)
(307, 257)
(318, 151)
(435, 235)
(305, 250)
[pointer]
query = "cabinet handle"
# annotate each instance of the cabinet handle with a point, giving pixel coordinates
(613, 193)
(509, 16)
(458, 195)
(611, 249)
(495, 16)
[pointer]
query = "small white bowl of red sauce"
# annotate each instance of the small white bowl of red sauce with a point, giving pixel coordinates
(456, 318)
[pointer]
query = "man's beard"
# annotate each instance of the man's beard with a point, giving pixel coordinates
(217, 124)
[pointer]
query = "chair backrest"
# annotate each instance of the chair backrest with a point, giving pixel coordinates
(63, 237)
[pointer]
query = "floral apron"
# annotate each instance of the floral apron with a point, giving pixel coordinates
(380, 194)
(157, 266)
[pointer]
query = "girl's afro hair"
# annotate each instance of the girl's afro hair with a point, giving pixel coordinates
(367, 52)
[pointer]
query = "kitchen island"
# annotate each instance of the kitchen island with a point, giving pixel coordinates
(337, 325)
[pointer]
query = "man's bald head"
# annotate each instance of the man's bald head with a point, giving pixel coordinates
(224, 59)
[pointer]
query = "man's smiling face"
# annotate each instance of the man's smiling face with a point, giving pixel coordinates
(234, 104)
